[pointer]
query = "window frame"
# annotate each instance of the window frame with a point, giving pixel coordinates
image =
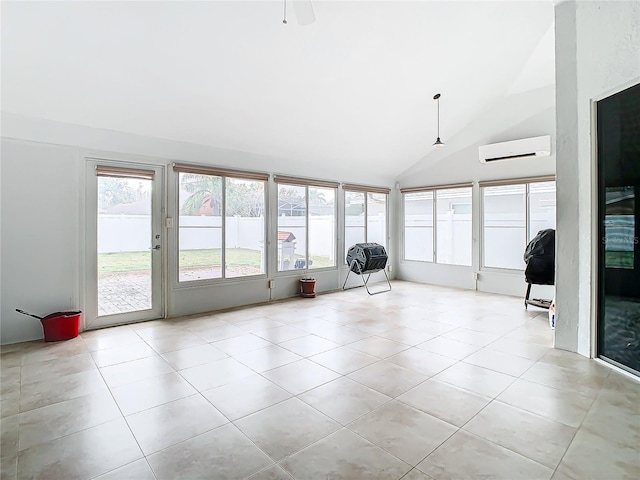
(404, 228)
(527, 219)
(212, 171)
(365, 190)
(434, 208)
(435, 226)
(306, 183)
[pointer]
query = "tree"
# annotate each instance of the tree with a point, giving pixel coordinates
(115, 191)
(206, 194)
(245, 199)
(317, 196)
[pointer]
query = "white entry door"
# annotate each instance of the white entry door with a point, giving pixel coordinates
(125, 243)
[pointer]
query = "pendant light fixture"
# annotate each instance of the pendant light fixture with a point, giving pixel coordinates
(438, 143)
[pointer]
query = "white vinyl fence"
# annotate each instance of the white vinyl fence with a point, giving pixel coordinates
(132, 233)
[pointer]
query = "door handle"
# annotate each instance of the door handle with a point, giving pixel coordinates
(156, 247)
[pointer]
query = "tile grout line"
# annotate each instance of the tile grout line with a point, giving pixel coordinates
(378, 360)
(581, 424)
(127, 424)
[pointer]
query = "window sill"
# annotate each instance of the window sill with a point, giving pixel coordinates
(214, 282)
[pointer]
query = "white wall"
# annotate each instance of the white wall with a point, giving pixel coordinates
(40, 238)
(597, 49)
(100, 140)
(43, 171)
(523, 115)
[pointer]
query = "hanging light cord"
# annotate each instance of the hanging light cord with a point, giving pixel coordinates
(437, 97)
(284, 20)
(438, 142)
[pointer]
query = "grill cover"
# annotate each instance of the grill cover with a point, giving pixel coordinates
(371, 257)
(540, 257)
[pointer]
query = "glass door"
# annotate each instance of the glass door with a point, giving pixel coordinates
(618, 136)
(126, 245)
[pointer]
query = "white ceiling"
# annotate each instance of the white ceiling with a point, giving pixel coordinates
(352, 89)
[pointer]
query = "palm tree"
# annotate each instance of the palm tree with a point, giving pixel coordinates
(206, 194)
(317, 196)
(242, 198)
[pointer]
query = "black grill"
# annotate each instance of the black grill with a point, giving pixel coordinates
(540, 257)
(369, 258)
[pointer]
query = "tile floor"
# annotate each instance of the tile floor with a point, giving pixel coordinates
(418, 383)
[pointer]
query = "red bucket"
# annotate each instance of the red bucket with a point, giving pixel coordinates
(61, 326)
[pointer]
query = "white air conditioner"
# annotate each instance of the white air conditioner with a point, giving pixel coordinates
(525, 148)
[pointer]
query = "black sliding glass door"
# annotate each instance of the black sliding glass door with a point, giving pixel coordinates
(618, 136)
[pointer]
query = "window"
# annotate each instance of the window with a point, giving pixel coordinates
(454, 231)
(512, 214)
(542, 207)
(221, 223)
(438, 225)
(306, 236)
(505, 235)
(377, 218)
(355, 230)
(365, 215)
(418, 226)
(244, 228)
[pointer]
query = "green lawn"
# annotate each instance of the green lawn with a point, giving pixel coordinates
(132, 261)
(320, 262)
(618, 259)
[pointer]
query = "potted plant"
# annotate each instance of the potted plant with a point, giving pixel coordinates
(307, 287)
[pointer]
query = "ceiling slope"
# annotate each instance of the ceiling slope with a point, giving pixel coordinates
(354, 88)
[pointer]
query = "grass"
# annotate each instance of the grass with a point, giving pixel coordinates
(618, 260)
(124, 261)
(319, 262)
(135, 261)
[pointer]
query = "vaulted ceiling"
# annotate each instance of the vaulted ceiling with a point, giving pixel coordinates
(352, 90)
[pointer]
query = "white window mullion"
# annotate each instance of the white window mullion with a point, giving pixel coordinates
(366, 217)
(306, 230)
(527, 214)
(223, 223)
(435, 226)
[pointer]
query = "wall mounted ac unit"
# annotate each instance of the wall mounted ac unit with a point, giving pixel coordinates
(525, 148)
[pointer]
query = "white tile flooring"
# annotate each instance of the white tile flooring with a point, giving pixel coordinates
(418, 383)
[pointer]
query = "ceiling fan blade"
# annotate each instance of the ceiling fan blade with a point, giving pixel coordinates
(304, 12)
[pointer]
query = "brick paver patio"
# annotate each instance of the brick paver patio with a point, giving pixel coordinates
(122, 292)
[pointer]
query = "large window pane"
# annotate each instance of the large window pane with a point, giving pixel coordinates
(504, 226)
(354, 226)
(292, 227)
(124, 245)
(542, 207)
(418, 226)
(200, 227)
(244, 228)
(454, 227)
(377, 218)
(322, 227)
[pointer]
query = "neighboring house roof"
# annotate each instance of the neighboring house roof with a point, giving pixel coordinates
(288, 205)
